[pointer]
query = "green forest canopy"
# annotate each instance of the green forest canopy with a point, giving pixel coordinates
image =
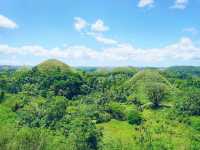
(54, 106)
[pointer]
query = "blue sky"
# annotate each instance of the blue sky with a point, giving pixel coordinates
(100, 32)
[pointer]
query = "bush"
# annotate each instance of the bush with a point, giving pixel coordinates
(134, 117)
(7, 133)
(103, 117)
(1, 95)
(30, 139)
(156, 92)
(191, 104)
(84, 135)
(195, 123)
(117, 111)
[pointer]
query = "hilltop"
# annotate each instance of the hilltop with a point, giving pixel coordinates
(52, 65)
(146, 76)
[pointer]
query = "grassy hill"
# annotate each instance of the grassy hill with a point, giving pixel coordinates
(52, 65)
(136, 86)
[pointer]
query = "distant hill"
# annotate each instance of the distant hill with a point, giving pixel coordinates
(52, 65)
(184, 71)
(112, 70)
(13, 69)
(7, 67)
(87, 69)
(126, 70)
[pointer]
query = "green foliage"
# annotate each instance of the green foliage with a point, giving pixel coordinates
(53, 106)
(145, 138)
(103, 117)
(84, 135)
(156, 93)
(195, 122)
(147, 76)
(30, 139)
(41, 113)
(2, 94)
(191, 103)
(50, 75)
(117, 111)
(183, 72)
(129, 71)
(30, 89)
(135, 88)
(6, 136)
(134, 117)
(7, 116)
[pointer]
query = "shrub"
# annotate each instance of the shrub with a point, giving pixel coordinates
(195, 123)
(1, 95)
(84, 135)
(156, 92)
(134, 117)
(191, 104)
(7, 133)
(30, 139)
(103, 117)
(117, 111)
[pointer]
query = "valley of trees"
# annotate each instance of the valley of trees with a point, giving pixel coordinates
(53, 106)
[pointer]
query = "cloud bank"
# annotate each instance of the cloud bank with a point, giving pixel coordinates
(121, 54)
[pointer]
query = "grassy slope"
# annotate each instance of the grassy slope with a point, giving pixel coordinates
(138, 83)
(171, 134)
(117, 130)
(7, 116)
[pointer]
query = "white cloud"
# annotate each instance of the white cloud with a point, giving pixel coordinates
(7, 23)
(101, 39)
(191, 30)
(99, 26)
(180, 4)
(95, 30)
(105, 40)
(184, 51)
(145, 3)
(80, 23)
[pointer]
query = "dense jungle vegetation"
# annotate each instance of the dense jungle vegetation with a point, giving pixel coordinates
(53, 106)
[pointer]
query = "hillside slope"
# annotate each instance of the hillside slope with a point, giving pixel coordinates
(136, 86)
